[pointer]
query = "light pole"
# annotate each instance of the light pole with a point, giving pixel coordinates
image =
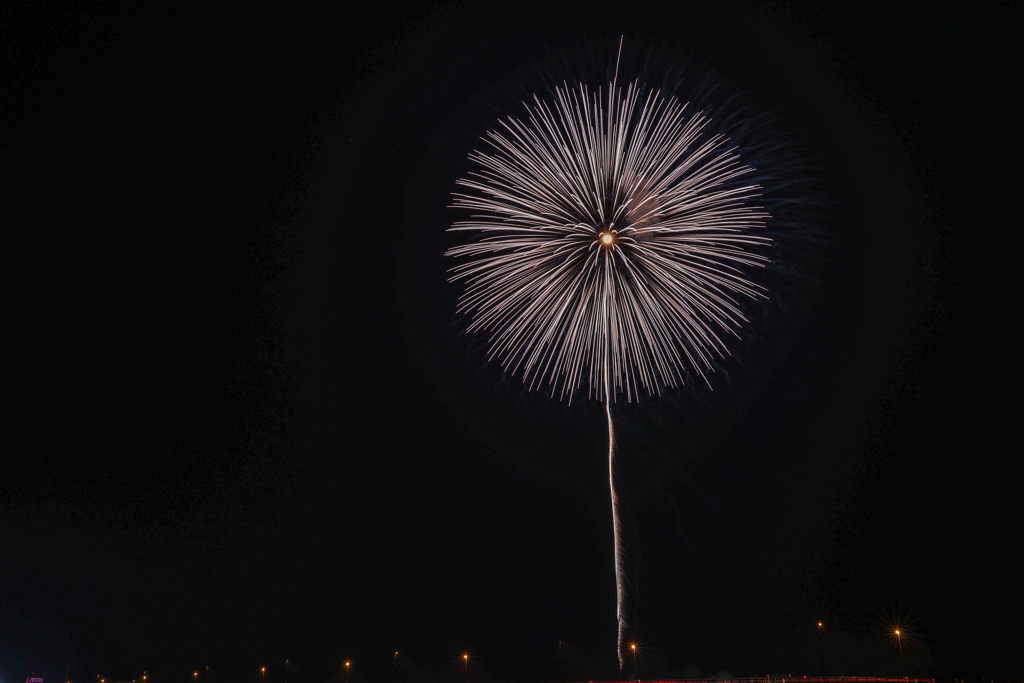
(899, 644)
(348, 669)
(465, 671)
(821, 648)
(632, 655)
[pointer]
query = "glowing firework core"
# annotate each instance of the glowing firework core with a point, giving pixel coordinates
(606, 237)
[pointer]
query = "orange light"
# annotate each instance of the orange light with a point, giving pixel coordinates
(897, 631)
(347, 663)
(606, 237)
(633, 646)
(465, 656)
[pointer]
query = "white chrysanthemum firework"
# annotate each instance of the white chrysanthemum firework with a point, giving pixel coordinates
(613, 234)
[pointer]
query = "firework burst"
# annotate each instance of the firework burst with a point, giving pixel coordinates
(613, 232)
(611, 237)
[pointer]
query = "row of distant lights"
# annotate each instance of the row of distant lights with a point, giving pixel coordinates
(263, 669)
(465, 655)
(145, 677)
(348, 665)
(895, 631)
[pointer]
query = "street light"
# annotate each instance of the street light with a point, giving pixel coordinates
(465, 662)
(821, 648)
(899, 644)
(632, 654)
(348, 668)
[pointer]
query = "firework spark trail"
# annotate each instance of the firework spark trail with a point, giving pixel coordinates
(612, 233)
(620, 573)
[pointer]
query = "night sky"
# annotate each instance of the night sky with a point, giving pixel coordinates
(245, 425)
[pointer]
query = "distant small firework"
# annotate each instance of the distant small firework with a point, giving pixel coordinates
(612, 233)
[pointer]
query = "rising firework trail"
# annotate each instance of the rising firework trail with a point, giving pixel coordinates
(611, 234)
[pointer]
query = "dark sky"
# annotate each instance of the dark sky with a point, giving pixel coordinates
(244, 425)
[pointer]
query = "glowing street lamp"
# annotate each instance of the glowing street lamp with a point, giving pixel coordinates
(348, 669)
(632, 655)
(821, 648)
(899, 644)
(465, 662)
